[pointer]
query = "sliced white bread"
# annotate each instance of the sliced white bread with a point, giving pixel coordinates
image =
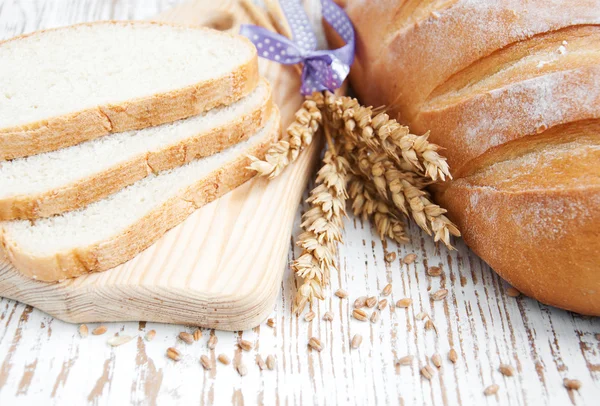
(67, 85)
(114, 230)
(54, 182)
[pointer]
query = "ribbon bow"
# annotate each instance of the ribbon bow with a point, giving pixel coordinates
(323, 69)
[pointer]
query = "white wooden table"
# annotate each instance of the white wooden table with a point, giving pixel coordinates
(44, 359)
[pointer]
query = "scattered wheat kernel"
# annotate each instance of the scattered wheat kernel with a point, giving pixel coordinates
(390, 257)
(260, 362)
(197, 334)
(382, 304)
(356, 341)
(572, 384)
(409, 259)
(341, 293)
(453, 355)
(359, 314)
(506, 370)
(150, 335)
(309, 316)
(99, 330)
(371, 302)
(83, 331)
(406, 360)
(429, 325)
(186, 337)
(434, 271)
(245, 345)
(205, 361)
(374, 317)
(387, 290)
(118, 340)
(315, 344)
(224, 359)
(427, 372)
(241, 368)
(403, 303)
(440, 294)
(328, 316)
(598, 336)
(271, 323)
(173, 354)
(360, 302)
(436, 360)
(491, 390)
(512, 292)
(271, 362)
(212, 342)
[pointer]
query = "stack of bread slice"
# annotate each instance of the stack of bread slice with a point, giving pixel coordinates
(112, 133)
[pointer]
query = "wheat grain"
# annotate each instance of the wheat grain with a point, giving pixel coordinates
(186, 337)
(453, 355)
(99, 330)
(374, 317)
(359, 314)
(491, 390)
(118, 340)
(436, 360)
(309, 316)
(83, 331)
(382, 304)
(390, 257)
(434, 271)
(212, 342)
(404, 303)
(409, 259)
(427, 372)
(506, 370)
(572, 384)
(205, 361)
(241, 368)
(315, 344)
(439, 295)
(356, 341)
(173, 354)
(512, 292)
(406, 360)
(197, 334)
(245, 345)
(371, 302)
(150, 335)
(360, 302)
(387, 290)
(300, 134)
(341, 293)
(224, 359)
(271, 323)
(328, 316)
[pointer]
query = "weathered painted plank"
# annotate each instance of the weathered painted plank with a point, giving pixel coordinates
(42, 358)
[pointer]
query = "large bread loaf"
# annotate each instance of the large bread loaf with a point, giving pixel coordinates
(511, 89)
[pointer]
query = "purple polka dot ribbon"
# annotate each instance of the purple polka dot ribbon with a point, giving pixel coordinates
(323, 69)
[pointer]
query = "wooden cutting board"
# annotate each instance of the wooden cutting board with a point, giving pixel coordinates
(222, 267)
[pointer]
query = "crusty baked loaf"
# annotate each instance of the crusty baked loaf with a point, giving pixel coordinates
(511, 89)
(66, 179)
(63, 86)
(111, 231)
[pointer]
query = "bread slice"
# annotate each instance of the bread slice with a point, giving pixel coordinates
(113, 230)
(67, 85)
(63, 180)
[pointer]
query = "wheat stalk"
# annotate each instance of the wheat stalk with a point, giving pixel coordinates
(300, 134)
(363, 125)
(322, 226)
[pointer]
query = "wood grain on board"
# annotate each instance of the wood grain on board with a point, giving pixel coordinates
(223, 266)
(44, 361)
